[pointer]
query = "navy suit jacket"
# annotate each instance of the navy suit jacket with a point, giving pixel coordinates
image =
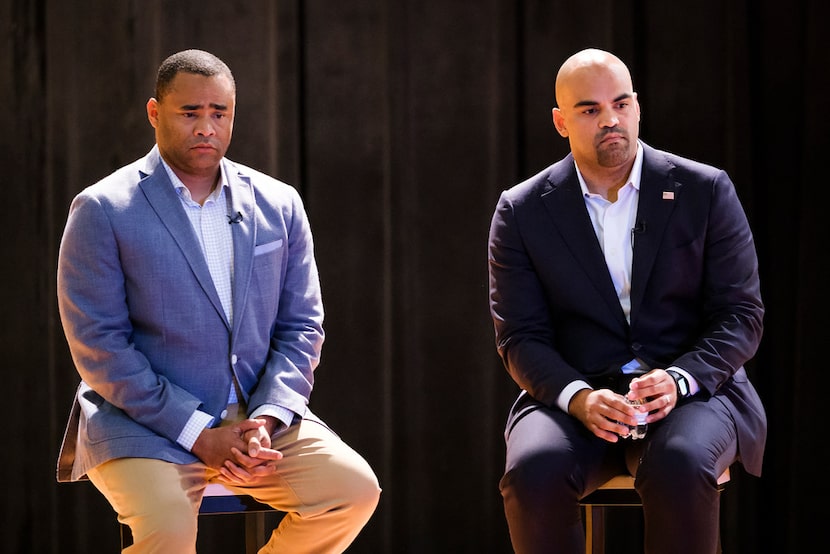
(145, 325)
(695, 294)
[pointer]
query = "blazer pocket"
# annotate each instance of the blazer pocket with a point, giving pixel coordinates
(267, 247)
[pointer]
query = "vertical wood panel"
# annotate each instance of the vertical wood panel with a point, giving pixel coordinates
(23, 281)
(343, 128)
(443, 109)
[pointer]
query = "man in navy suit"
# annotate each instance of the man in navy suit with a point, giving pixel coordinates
(623, 274)
(190, 299)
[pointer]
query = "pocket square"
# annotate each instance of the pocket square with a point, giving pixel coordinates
(267, 247)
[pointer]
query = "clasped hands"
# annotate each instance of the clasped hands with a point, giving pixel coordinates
(240, 452)
(608, 415)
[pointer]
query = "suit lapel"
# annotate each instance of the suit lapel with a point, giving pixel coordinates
(241, 201)
(659, 194)
(165, 202)
(563, 200)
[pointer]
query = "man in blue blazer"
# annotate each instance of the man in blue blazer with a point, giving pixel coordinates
(190, 300)
(623, 275)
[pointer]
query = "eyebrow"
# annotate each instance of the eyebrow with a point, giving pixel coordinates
(193, 107)
(623, 96)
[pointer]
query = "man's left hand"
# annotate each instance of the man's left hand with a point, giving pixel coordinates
(658, 392)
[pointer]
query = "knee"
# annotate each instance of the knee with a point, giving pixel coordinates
(174, 526)
(539, 478)
(364, 491)
(358, 490)
(672, 464)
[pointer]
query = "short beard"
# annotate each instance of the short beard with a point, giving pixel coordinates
(615, 154)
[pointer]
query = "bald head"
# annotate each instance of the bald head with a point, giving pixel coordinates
(589, 64)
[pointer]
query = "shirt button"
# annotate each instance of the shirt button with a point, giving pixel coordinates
(233, 359)
(224, 414)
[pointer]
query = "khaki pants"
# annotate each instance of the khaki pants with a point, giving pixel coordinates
(327, 490)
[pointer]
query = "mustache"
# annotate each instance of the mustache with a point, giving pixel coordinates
(612, 130)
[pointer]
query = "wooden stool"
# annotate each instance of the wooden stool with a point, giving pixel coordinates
(617, 491)
(218, 500)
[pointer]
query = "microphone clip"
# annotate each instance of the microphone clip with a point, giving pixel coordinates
(638, 229)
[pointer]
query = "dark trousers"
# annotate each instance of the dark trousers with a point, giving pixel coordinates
(553, 461)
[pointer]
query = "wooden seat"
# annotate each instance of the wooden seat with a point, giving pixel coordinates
(219, 500)
(617, 491)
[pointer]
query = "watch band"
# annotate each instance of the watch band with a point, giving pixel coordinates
(680, 382)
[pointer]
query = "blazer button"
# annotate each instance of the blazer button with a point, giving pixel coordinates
(636, 347)
(224, 414)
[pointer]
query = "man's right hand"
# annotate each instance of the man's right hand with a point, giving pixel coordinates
(213, 446)
(604, 412)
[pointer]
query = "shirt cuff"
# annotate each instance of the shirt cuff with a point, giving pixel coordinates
(564, 399)
(197, 423)
(284, 415)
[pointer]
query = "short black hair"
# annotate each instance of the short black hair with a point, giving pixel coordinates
(190, 61)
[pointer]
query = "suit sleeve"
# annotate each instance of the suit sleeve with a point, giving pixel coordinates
(524, 331)
(93, 307)
(732, 305)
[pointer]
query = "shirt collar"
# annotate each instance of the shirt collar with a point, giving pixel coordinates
(183, 191)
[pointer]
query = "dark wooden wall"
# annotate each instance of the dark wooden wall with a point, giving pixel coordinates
(400, 122)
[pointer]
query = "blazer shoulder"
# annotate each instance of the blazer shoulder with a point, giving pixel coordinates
(544, 181)
(678, 166)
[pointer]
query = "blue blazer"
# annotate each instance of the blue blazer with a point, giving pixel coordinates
(695, 294)
(146, 328)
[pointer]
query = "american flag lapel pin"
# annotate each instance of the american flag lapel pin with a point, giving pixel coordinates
(668, 195)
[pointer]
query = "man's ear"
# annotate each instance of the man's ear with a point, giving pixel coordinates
(637, 103)
(559, 122)
(153, 111)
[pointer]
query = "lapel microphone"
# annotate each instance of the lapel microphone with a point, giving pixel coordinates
(638, 229)
(234, 218)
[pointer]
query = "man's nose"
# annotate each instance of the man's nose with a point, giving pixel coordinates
(204, 127)
(609, 119)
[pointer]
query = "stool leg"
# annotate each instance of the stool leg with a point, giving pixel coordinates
(126, 536)
(254, 532)
(594, 529)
